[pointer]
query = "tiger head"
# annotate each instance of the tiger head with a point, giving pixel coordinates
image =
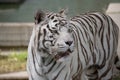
(54, 35)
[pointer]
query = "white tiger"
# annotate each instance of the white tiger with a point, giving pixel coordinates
(80, 48)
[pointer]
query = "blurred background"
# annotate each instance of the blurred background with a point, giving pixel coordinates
(23, 10)
(17, 20)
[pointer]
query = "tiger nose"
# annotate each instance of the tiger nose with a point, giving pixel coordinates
(69, 42)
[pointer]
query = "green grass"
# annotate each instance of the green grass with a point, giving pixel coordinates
(117, 76)
(21, 56)
(16, 61)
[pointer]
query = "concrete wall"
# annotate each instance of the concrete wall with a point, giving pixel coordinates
(114, 12)
(15, 34)
(10, 1)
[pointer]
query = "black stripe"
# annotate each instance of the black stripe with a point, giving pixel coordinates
(79, 68)
(90, 27)
(101, 27)
(50, 14)
(35, 62)
(54, 63)
(81, 31)
(30, 73)
(43, 41)
(102, 38)
(57, 66)
(105, 73)
(49, 62)
(55, 78)
(91, 43)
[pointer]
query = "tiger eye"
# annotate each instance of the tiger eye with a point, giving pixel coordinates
(70, 30)
(51, 36)
(55, 20)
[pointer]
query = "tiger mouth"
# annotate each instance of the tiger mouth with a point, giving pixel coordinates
(62, 54)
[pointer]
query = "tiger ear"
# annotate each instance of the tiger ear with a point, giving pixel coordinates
(63, 12)
(39, 16)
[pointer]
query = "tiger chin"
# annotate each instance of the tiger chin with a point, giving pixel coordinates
(78, 48)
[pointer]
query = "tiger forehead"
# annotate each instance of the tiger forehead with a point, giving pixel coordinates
(55, 16)
(57, 19)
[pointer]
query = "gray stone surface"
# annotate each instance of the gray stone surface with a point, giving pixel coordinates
(114, 12)
(14, 76)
